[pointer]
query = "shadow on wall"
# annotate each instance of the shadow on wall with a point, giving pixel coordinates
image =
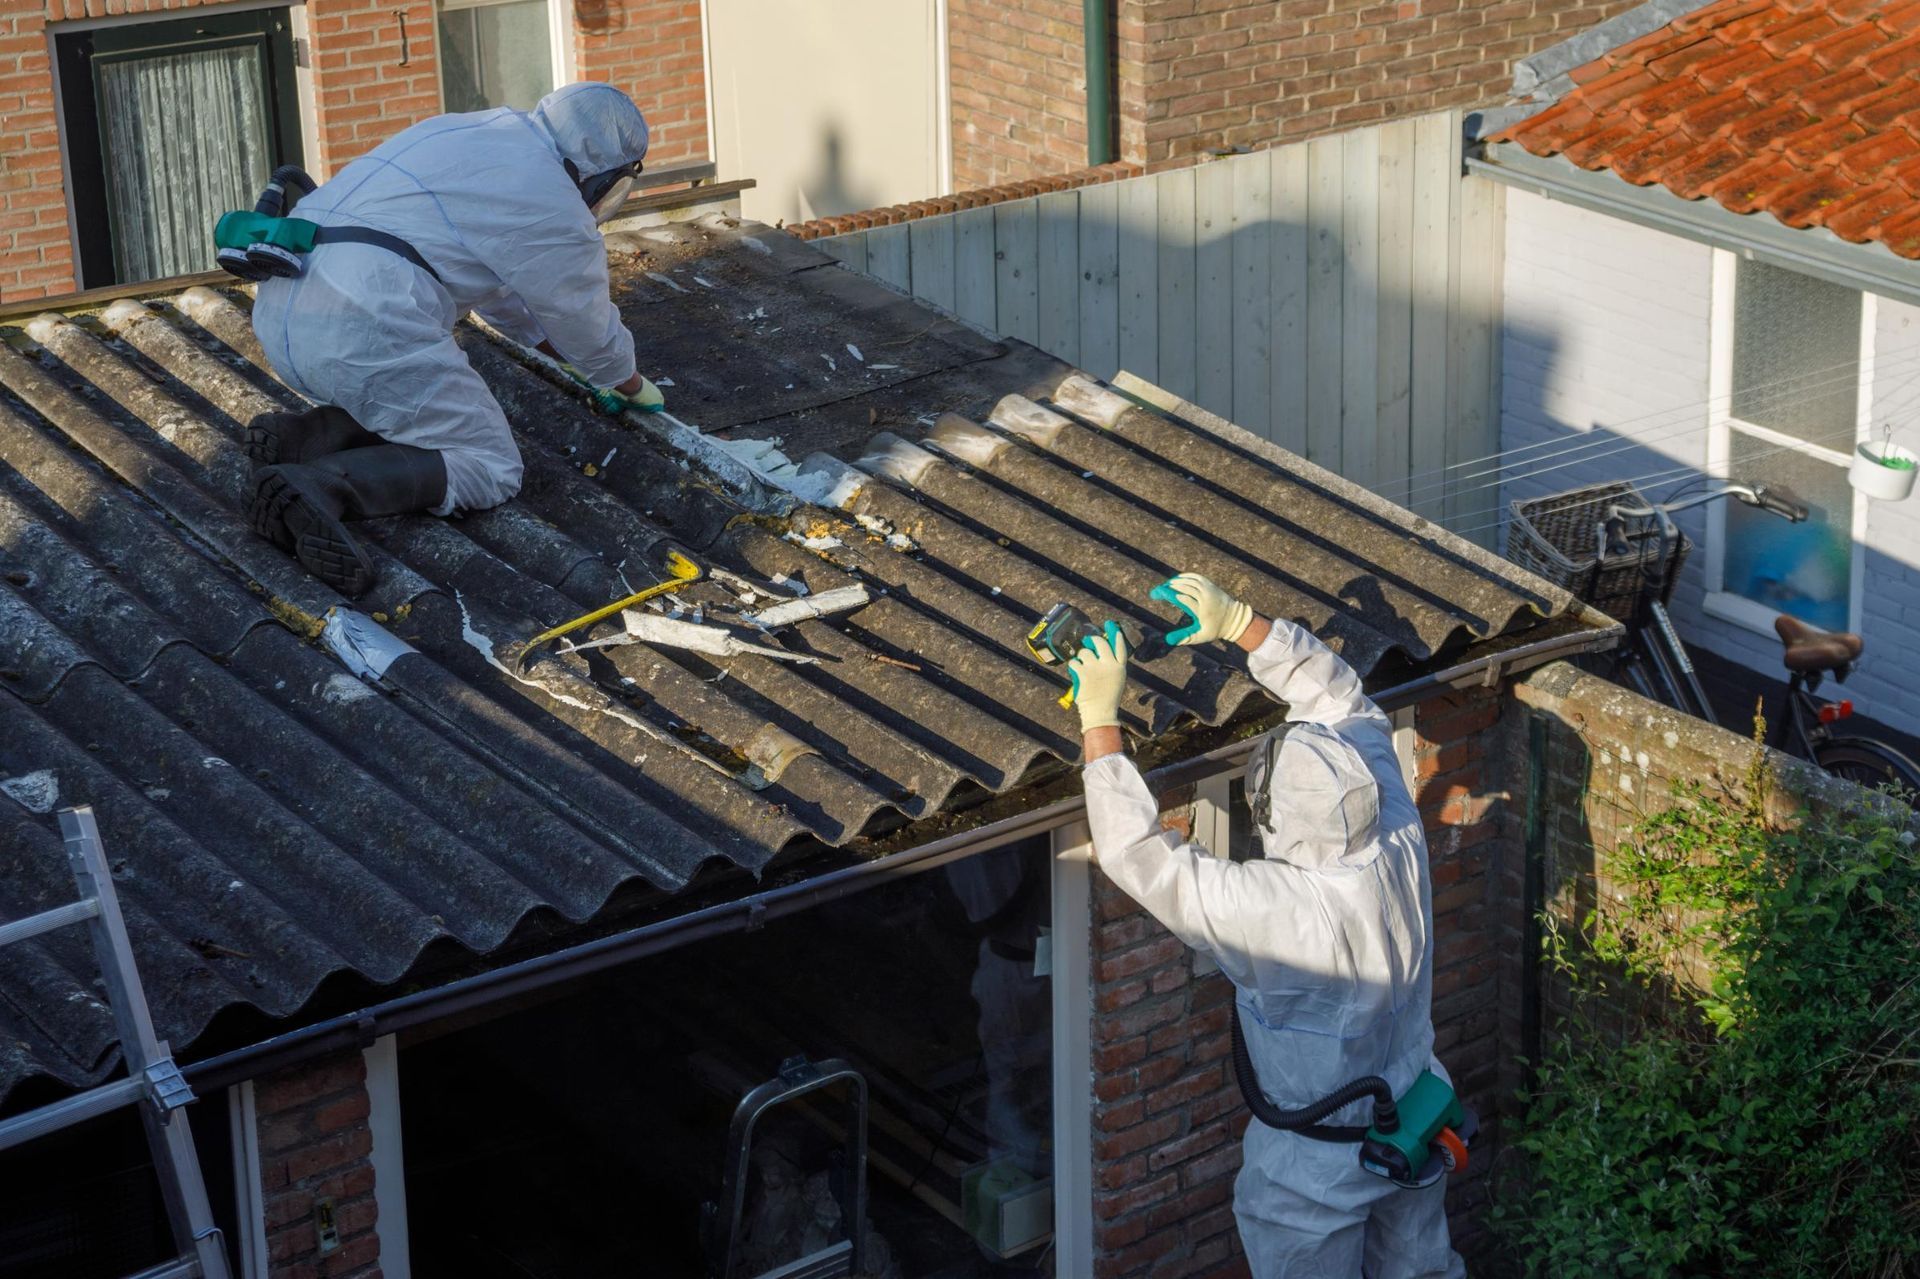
(827, 189)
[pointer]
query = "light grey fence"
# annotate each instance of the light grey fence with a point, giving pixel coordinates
(1338, 296)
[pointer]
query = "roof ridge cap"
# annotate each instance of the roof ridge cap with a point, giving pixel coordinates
(1543, 77)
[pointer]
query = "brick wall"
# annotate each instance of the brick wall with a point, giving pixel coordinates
(314, 1144)
(1019, 88)
(652, 49)
(1204, 74)
(362, 93)
(1611, 758)
(35, 254)
(1168, 1116)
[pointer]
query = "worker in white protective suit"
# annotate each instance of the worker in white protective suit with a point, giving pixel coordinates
(494, 213)
(1327, 939)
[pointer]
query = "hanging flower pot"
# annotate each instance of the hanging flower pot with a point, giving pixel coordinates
(1882, 469)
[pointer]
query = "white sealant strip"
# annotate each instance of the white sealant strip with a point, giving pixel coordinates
(841, 599)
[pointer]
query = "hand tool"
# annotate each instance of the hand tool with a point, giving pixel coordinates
(681, 571)
(1062, 630)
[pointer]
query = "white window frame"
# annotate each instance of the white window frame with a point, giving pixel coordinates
(1072, 989)
(249, 1200)
(1720, 602)
(559, 38)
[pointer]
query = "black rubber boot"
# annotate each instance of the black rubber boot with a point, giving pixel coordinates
(304, 507)
(274, 438)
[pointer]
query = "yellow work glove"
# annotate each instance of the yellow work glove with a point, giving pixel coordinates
(1216, 615)
(611, 402)
(1099, 674)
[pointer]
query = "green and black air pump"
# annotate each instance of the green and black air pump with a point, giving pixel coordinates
(1414, 1140)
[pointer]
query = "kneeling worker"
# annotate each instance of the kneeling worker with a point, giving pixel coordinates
(494, 212)
(1327, 939)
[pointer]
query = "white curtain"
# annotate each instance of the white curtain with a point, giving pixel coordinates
(185, 139)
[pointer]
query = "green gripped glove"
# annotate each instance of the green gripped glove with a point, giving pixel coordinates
(1099, 674)
(609, 401)
(1216, 615)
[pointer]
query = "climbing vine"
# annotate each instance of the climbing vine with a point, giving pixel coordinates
(1737, 1087)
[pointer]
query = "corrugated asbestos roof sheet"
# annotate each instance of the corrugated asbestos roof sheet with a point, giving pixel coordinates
(275, 821)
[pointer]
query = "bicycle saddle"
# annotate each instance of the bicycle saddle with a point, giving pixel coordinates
(1812, 649)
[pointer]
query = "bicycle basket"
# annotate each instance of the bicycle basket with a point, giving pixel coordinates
(1558, 538)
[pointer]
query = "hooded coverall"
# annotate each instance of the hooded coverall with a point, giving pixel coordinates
(486, 199)
(1328, 942)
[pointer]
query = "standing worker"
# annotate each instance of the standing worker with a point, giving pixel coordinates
(497, 213)
(1328, 939)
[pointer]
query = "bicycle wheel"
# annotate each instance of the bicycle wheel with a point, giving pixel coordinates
(1871, 764)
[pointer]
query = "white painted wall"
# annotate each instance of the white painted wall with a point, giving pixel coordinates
(1608, 327)
(830, 108)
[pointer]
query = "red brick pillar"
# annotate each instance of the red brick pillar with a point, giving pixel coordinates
(36, 256)
(315, 1144)
(1167, 1115)
(1479, 918)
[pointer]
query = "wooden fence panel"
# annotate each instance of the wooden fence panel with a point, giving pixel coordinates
(1176, 273)
(888, 257)
(973, 267)
(1252, 300)
(1287, 415)
(1016, 232)
(1059, 275)
(1213, 236)
(1100, 280)
(1339, 296)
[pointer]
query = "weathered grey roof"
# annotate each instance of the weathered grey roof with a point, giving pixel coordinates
(276, 821)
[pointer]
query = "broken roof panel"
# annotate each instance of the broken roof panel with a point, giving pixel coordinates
(292, 788)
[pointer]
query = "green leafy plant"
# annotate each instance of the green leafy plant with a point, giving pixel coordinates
(1736, 1090)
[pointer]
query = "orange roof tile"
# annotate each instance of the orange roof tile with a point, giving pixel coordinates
(1808, 110)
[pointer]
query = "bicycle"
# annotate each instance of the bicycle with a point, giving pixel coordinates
(1630, 571)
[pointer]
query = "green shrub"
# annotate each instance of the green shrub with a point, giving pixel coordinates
(1763, 1115)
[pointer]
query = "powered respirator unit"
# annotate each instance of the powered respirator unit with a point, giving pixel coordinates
(264, 243)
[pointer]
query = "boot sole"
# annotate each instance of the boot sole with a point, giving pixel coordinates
(263, 447)
(284, 515)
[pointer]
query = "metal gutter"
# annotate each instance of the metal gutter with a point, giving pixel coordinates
(1816, 251)
(359, 1029)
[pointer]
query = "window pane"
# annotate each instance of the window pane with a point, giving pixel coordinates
(184, 136)
(496, 55)
(1802, 569)
(1796, 354)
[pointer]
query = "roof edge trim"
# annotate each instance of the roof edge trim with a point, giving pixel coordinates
(1815, 251)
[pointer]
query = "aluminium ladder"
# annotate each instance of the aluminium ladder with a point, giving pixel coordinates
(153, 1081)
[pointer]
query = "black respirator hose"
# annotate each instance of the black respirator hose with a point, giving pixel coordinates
(273, 201)
(1386, 1115)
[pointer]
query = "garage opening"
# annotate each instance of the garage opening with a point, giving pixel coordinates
(591, 1135)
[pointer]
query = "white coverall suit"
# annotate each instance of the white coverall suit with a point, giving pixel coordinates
(1328, 942)
(486, 199)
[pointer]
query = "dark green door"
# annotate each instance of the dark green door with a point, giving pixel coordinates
(170, 124)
